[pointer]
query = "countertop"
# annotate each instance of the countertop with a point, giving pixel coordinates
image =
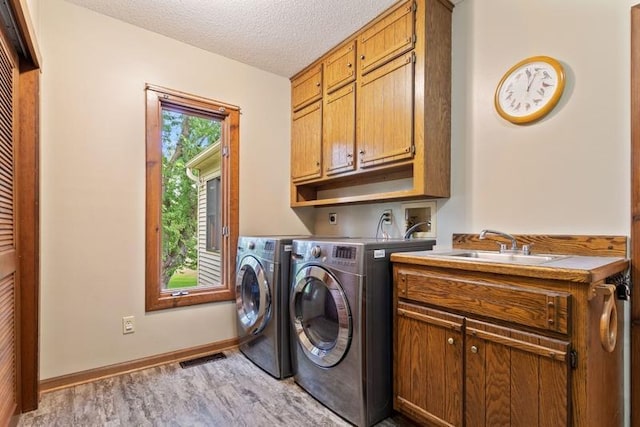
(573, 268)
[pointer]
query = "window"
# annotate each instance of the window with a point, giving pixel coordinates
(192, 199)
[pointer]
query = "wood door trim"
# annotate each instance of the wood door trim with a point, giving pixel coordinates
(27, 175)
(26, 29)
(635, 212)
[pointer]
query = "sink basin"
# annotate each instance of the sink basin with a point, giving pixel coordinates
(509, 258)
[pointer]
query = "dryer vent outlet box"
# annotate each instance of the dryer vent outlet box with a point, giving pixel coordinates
(423, 213)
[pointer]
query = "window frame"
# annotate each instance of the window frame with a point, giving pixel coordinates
(156, 98)
(213, 234)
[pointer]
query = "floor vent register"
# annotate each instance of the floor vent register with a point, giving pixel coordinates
(202, 360)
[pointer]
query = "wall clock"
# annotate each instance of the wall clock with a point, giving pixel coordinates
(530, 89)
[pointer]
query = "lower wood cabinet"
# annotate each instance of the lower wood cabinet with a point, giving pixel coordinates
(511, 378)
(514, 378)
(479, 349)
(428, 361)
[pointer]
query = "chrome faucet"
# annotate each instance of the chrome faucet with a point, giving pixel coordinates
(410, 230)
(503, 247)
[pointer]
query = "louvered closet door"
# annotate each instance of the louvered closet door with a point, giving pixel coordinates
(8, 79)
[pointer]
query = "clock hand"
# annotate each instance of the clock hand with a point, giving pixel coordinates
(531, 82)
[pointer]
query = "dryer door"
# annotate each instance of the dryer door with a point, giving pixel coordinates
(321, 316)
(253, 296)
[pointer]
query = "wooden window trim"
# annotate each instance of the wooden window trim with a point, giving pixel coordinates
(157, 98)
(213, 237)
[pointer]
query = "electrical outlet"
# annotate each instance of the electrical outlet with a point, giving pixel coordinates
(386, 217)
(333, 218)
(128, 325)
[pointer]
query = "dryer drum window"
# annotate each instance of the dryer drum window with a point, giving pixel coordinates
(253, 297)
(321, 316)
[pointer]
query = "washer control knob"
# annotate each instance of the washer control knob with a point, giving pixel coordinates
(316, 251)
(252, 245)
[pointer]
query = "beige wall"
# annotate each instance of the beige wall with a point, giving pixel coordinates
(93, 174)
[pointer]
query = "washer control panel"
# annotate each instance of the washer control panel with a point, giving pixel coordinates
(340, 255)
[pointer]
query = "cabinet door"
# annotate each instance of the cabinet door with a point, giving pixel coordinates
(306, 88)
(306, 139)
(339, 130)
(514, 378)
(385, 114)
(340, 67)
(386, 39)
(428, 365)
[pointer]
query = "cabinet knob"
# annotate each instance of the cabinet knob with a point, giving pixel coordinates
(318, 84)
(349, 65)
(361, 151)
(474, 349)
(362, 57)
(317, 163)
(450, 341)
(349, 155)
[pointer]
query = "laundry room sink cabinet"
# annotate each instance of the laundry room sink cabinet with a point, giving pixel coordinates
(487, 344)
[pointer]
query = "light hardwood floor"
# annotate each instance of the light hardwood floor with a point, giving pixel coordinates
(225, 392)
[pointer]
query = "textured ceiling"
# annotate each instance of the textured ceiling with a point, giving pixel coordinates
(280, 36)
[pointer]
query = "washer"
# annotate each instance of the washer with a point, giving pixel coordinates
(341, 315)
(262, 301)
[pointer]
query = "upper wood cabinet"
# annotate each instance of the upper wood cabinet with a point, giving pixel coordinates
(306, 88)
(340, 67)
(339, 130)
(385, 113)
(306, 146)
(385, 95)
(387, 38)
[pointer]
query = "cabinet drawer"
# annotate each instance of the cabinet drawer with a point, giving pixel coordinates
(306, 88)
(390, 37)
(538, 308)
(339, 68)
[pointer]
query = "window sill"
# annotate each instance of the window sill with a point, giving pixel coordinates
(165, 300)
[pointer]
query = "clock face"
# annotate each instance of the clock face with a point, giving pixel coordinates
(530, 89)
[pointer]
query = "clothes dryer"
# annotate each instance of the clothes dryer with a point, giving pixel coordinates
(262, 301)
(341, 312)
